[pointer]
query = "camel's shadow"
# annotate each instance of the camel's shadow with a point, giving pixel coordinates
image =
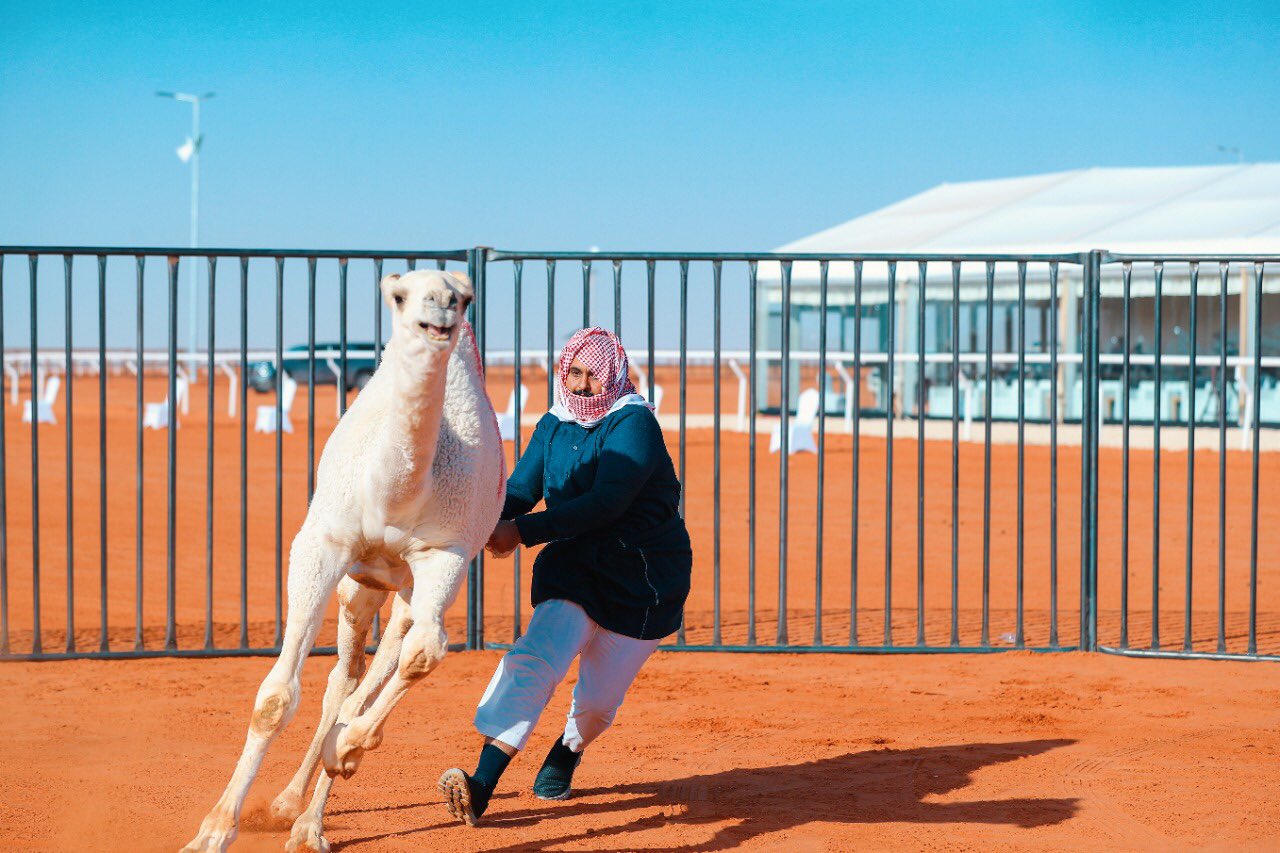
(881, 785)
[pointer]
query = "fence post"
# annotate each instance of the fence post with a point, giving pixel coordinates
(475, 597)
(1090, 431)
(476, 264)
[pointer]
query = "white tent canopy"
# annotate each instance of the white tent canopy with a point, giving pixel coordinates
(1209, 210)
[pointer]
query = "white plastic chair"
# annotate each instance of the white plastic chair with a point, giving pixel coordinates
(44, 406)
(800, 427)
(156, 415)
(507, 420)
(266, 419)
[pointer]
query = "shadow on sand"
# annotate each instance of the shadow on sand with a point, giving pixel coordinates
(873, 786)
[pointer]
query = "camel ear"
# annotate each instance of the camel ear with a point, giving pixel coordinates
(462, 278)
(389, 289)
(464, 284)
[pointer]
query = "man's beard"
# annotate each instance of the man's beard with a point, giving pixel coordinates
(583, 393)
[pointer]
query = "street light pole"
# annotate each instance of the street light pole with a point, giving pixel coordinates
(191, 151)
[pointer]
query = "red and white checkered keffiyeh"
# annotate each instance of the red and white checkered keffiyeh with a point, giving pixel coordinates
(604, 356)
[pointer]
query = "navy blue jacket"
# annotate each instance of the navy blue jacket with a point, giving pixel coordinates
(615, 542)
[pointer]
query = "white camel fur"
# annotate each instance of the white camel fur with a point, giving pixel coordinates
(409, 487)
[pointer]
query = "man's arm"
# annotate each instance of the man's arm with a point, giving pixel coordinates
(524, 486)
(630, 453)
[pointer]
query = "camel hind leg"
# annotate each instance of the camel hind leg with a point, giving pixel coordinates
(315, 565)
(357, 605)
(308, 830)
(437, 577)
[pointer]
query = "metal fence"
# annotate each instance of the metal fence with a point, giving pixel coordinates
(898, 527)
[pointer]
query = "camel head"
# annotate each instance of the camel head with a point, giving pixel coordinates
(427, 306)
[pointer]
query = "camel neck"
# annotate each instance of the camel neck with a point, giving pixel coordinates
(419, 377)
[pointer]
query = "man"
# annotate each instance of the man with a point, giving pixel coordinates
(610, 583)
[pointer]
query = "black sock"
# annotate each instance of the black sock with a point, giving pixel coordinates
(492, 762)
(562, 756)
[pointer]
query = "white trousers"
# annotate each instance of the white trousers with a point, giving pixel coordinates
(527, 675)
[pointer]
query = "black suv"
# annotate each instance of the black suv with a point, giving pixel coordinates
(360, 366)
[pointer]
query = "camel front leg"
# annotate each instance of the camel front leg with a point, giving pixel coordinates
(437, 577)
(308, 829)
(315, 565)
(356, 606)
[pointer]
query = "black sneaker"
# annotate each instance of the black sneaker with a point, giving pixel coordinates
(555, 779)
(466, 798)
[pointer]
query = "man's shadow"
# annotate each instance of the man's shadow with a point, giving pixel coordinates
(873, 786)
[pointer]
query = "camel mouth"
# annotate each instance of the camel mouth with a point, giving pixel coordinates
(436, 333)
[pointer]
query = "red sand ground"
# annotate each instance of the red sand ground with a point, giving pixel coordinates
(712, 751)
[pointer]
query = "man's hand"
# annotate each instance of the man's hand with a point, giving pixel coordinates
(504, 539)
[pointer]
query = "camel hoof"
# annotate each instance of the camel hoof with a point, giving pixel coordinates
(329, 751)
(287, 806)
(348, 758)
(345, 746)
(306, 837)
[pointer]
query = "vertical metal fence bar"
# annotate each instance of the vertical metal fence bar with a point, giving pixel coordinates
(921, 334)
(1089, 515)
(311, 380)
(551, 332)
(1124, 460)
(892, 349)
(517, 604)
(475, 613)
(753, 404)
(480, 306)
(716, 273)
(1088, 419)
(684, 348)
(479, 269)
(586, 294)
(341, 378)
(212, 368)
(1158, 272)
(279, 468)
(36, 646)
(1053, 454)
(171, 436)
(1019, 635)
(244, 453)
(986, 460)
(68, 367)
(1253, 496)
(653, 379)
(377, 322)
(1223, 271)
(138, 642)
(617, 299)
(784, 460)
(377, 360)
(4, 501)
(104, 644)
(856, 427)
(955, 453)
(822, 450)
(1191, 456)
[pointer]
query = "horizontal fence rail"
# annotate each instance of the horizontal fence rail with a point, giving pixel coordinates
(879, 452)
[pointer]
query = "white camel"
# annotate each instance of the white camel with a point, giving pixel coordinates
(409, 487)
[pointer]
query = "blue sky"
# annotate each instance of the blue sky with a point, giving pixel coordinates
(630, 125)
